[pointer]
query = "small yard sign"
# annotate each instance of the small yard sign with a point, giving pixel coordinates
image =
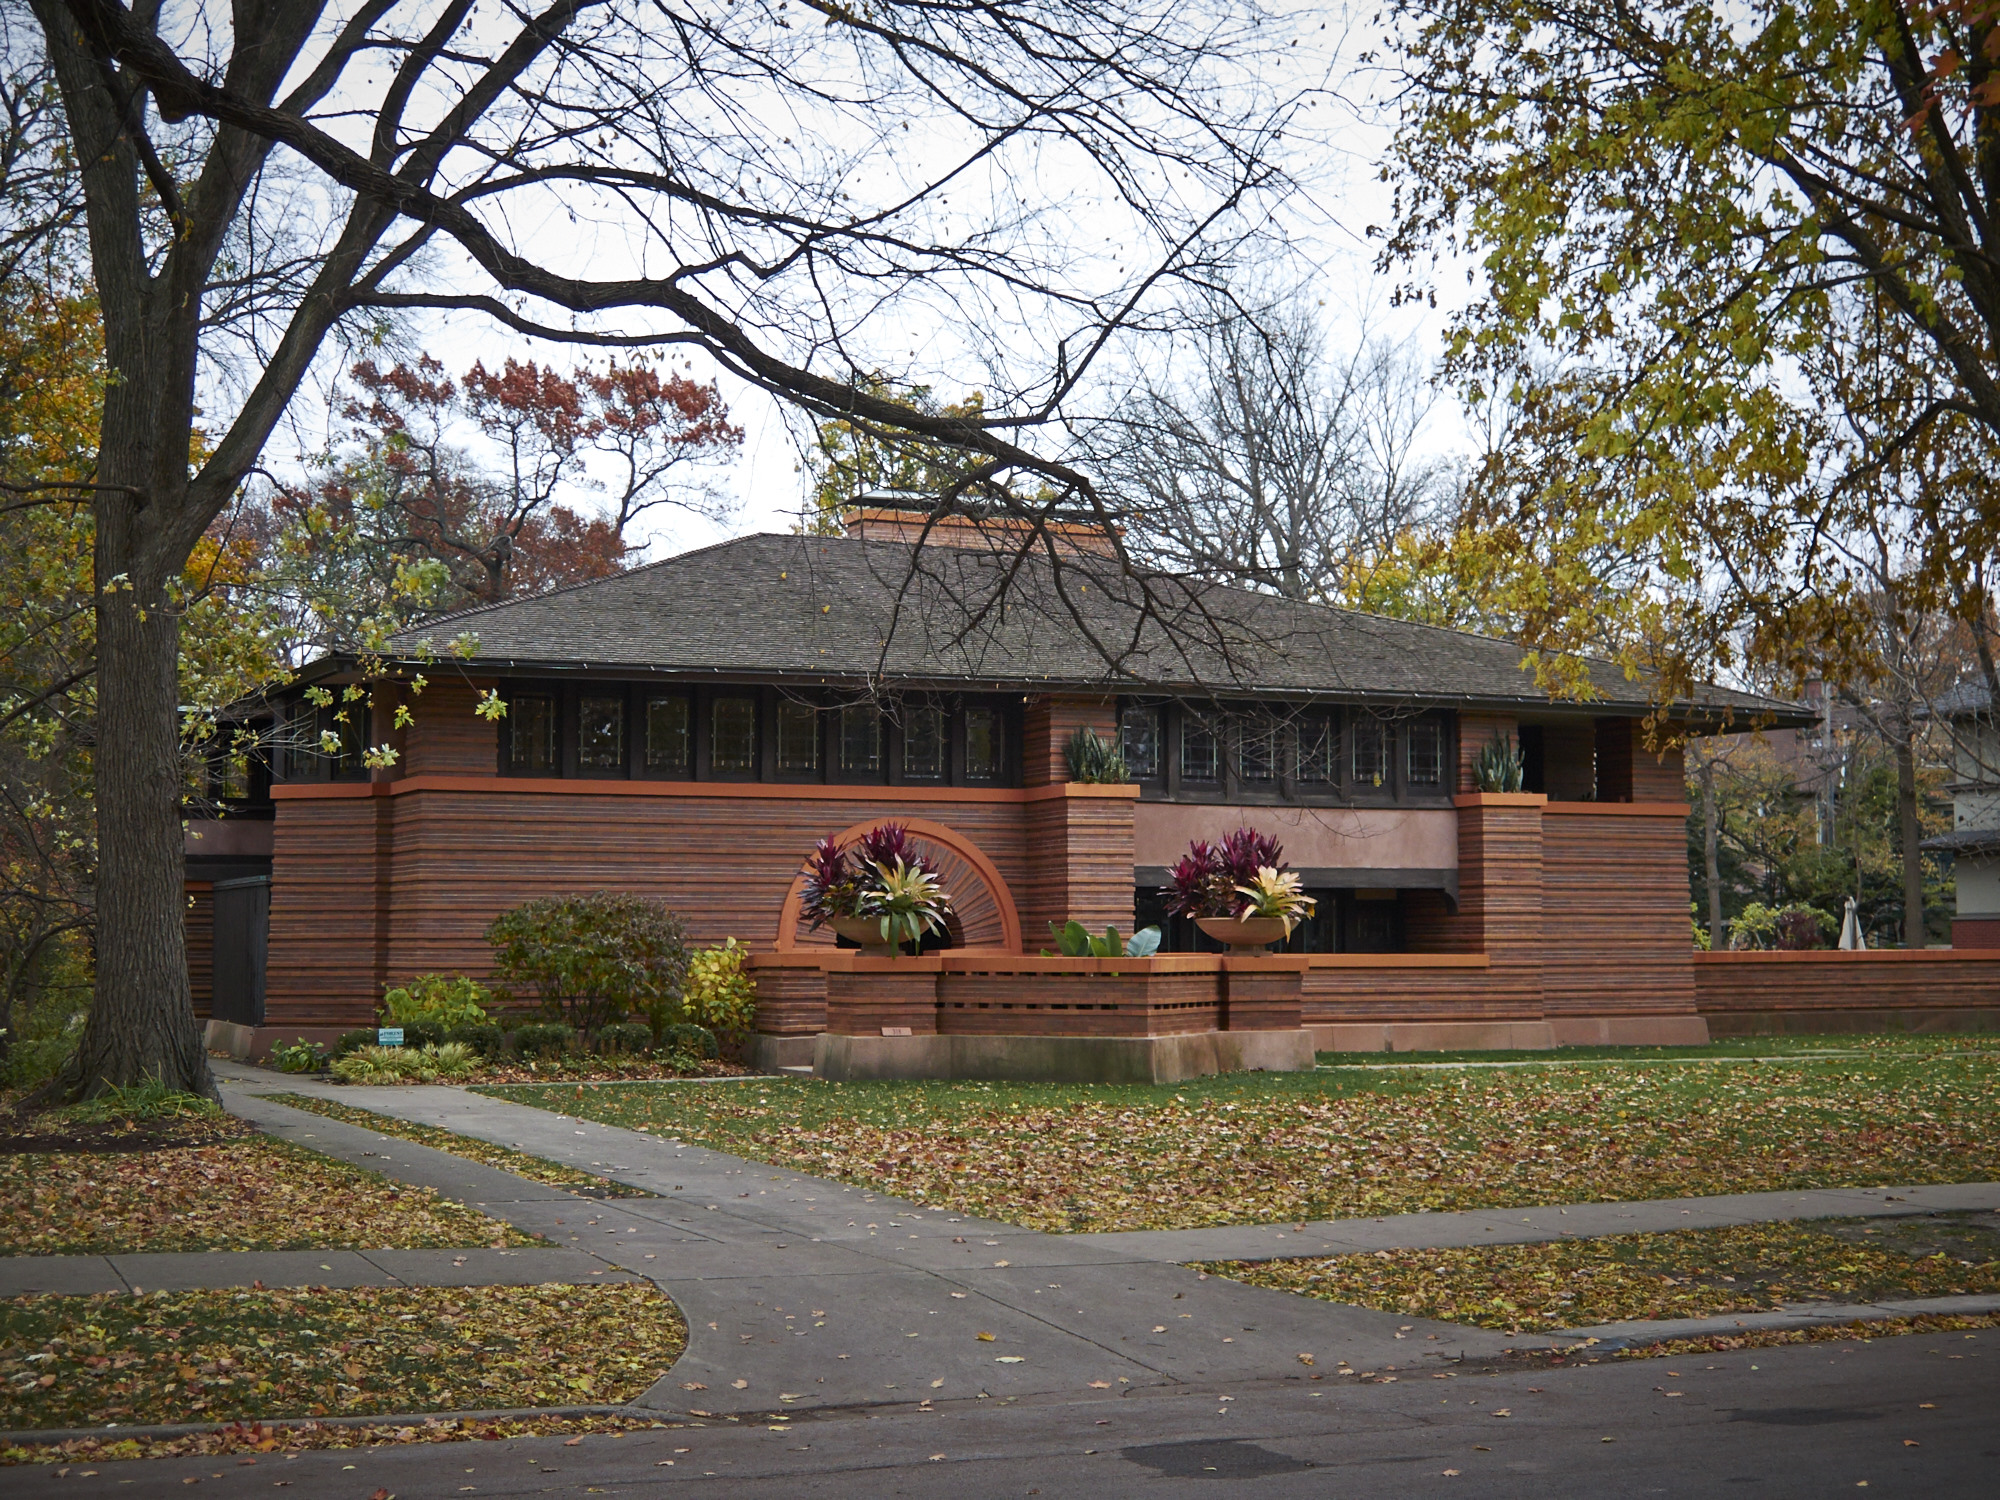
(388, 1036)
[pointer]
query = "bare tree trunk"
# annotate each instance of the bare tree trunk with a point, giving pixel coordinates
(142, 1022)
(1711, 852)
(1911, 830)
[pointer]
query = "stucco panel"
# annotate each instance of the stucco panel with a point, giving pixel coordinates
(1381, 838)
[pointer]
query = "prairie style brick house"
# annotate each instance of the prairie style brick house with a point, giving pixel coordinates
(687, 730)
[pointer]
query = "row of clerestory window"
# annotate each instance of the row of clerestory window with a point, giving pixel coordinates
(1278, 752)
(752, 734)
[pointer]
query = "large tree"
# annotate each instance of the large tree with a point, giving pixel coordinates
(1250, 453)
(765, 182)
(1737, 275)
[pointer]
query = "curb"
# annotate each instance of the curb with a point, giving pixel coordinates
(1612, 1337)
(48, 1435)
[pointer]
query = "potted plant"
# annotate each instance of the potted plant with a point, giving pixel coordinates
(1238, 891)
(880, 893)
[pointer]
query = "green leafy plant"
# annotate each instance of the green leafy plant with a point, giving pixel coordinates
(350, 1041)
(1092, 759)
(688, 1040)
(376, 1065)
(1793, 927)
(544, 1039)
(147, 1100)
(1275, 893)
(720, 995)
(488, 1040)
(591, 959)
(624, 1038)
(442, 1000)
(301, 1056)
(1074, 940)
(908, 901)
(1500, 766)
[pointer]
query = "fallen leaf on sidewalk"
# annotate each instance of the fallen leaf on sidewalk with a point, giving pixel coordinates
(741, 1385)
(1100, 1385)
(986, 1338)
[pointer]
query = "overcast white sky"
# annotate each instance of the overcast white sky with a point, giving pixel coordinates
(1325, 223)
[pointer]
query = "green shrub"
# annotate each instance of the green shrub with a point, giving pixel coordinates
(592, 959)
(404, 1064)
(301, 1056)
(351, 1041)
(48, 1020)
(442, 1000)
(488, 1040)
(695, 1041)
(720, 995)
(543, 1039)
(625, 1037)
(424, 1033)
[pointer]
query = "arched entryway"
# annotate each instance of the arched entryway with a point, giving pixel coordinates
(982, 904)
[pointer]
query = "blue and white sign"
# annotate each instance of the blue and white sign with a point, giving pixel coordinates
(388, 1036)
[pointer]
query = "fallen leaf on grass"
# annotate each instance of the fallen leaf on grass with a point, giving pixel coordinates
(1276, 1148)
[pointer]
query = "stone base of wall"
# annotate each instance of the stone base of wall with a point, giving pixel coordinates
(1433, 1036)
(1061, 1059)
(1917, 1020)
(1629, 1031)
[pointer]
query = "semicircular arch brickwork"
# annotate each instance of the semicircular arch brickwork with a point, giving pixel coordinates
(983, 910)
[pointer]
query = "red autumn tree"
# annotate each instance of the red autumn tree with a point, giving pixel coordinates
(476, 487)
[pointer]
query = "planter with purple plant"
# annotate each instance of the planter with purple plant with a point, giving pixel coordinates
(1238, 891)
(878, 893)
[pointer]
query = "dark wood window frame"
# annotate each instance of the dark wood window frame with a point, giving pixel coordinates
(1286, 788)
(568, 696)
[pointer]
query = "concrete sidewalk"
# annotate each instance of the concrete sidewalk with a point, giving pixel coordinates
(801, 1293)
(205, 1270)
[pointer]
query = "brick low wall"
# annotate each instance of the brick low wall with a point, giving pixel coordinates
(1761, 994)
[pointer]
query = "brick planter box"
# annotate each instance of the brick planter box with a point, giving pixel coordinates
(1263, 994)
(1004, 995)
(881, 996)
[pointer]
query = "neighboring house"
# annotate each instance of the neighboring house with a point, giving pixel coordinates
(687, 730)
(1974, 840)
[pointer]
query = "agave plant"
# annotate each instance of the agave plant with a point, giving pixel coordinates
(1500, 766)
(908, 901)
(1275, 893)
(1091, 759)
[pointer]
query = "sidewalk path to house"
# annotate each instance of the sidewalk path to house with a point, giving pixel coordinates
(801, 1293)
(223, 1270)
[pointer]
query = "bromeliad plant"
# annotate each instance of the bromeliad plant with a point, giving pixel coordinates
(1204, 883)
(881, 878)
(1244, 876)
(1275, 893)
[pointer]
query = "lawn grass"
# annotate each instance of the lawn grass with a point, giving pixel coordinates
(520, 1163)
(226, 1188)
(1725, 1047)
(231, 1356)
(1267, 1147)
(1687, 1273)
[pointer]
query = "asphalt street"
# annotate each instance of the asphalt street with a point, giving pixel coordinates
(1914, 1416)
